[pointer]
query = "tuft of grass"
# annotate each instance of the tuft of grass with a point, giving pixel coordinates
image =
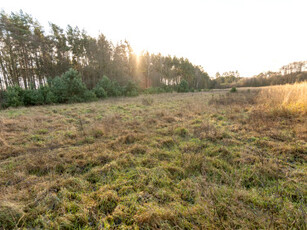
(106, 201)
(10, 215)
(147, 101)
(182, 132)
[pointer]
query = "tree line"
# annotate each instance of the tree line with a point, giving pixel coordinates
(29, 57)
(288, 74)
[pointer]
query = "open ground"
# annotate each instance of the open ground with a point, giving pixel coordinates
(206, 160)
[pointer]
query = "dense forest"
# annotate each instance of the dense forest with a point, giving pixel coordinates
(60, 66)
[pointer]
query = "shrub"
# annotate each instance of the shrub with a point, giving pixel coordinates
(183, 86)
(100, 92)
(117, 90)
(131, 89)
(153, 90)
(156, 90)
(168, 88)
(33, 97)
(48, 95)
(112, 88)
(58, 89)
(13, 97)
(233, 90)
(69, 87)
(89, 96)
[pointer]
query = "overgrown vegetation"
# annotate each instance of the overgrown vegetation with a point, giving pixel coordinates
(70, 88)
(65, 89)
(286, 99)
(207, 160)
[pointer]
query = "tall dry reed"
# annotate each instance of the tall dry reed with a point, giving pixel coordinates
(287, 99)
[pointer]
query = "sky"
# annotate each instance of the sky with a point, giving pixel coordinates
(250, 36)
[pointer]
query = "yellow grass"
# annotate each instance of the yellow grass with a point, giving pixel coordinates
(205, 160)
(287, 98)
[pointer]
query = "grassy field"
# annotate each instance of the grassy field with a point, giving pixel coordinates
(207, 160)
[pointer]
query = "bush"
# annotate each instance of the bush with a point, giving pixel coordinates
(16, 96)
(100, 92)
(33, 97)
(58, 89)
(183, 86)
(156, 90)
(13, 97)
(48, 95)
(112, 88)
(89, 96)
(233, 90)
(69, 87)
(153, 90)
(168, 88)
(131, 89)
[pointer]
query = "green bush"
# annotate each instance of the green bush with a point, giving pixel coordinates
(131, 89)
(58, 89)
(49, 97)
(112, 88)
(100, 92)
(168, 88)
(69, 87)
(13, 97)
(89, 96)
(156, 90)
(183, 86)
(233, 90)
(33, 97)
(16, 96)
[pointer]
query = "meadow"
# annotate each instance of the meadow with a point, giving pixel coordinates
(205, 160)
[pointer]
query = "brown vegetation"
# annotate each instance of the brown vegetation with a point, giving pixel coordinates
(185, 161)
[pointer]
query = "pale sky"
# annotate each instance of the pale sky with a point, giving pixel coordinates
(250, 36)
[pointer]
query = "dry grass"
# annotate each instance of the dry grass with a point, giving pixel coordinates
(285, 99)
(210, 160)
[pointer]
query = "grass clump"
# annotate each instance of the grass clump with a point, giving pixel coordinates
(106, 201)
(182, 132)
(10, 215)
